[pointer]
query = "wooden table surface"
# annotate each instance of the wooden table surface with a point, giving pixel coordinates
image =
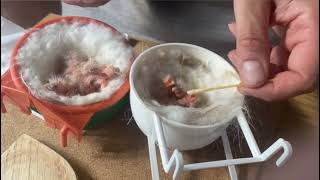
(119, 150)
(29, 159)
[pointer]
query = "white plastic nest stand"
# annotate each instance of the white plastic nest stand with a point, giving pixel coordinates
(176, 163)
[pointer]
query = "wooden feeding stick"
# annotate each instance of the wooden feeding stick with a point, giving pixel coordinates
(201, 90)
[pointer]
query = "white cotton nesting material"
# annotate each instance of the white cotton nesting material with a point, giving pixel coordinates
(39, 57)
(208, 70)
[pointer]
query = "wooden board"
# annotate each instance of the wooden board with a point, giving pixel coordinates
(28, 159)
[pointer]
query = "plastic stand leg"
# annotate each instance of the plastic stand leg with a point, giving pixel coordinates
(175, 162)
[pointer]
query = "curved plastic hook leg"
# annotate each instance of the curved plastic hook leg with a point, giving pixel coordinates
(176, 157)
(287, 153)
(277, 146)
(153, 158)
(178, 160)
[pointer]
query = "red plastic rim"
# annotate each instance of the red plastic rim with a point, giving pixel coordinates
(94, 107)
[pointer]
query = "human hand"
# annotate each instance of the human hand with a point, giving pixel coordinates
(86, 3)
(283, 71)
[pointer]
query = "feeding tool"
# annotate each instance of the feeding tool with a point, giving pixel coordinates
(202, 90)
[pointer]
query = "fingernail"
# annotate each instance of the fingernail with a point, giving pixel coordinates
(252, 73)
(230, 56)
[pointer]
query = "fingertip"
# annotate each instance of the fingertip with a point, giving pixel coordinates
(231, 55)
(241, 85)
(232, 28)
(233, 59)
(266, 92)
(252, 93)
(232, 25)
(252, 74)
(242, 89)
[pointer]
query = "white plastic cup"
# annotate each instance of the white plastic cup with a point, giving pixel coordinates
(177, 135)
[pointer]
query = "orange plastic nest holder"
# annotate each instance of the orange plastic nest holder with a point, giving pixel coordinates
(67, 118)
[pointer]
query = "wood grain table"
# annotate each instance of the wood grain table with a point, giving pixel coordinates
(28, 159)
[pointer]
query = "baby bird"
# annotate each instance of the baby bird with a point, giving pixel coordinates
(81, 76)
(180, 97)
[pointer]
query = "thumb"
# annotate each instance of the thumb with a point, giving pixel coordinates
(253, 46)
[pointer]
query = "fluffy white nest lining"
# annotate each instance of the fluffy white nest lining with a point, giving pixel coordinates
(213, 107)
(39, 57)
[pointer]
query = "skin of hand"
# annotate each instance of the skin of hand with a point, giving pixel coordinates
(288, 69)
(86, 3)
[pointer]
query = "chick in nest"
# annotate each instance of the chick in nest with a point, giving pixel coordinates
(81, 76)
(178, 96)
